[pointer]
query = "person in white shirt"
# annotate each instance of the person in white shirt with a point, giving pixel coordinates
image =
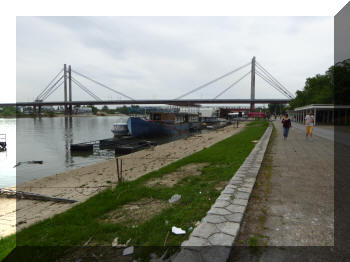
(309, 123)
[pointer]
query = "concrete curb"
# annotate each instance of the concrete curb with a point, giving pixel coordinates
(213, 238)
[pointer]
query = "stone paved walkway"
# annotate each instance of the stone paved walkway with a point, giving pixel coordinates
(300, 203)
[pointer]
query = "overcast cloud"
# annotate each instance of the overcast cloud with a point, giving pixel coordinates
(164, 57)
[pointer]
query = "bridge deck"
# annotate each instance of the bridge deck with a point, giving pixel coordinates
(182, 102)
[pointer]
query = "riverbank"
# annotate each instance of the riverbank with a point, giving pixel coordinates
(139, 210)
(82, 183)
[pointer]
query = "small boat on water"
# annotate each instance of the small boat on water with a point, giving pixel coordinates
(120, 128)
(162, 124)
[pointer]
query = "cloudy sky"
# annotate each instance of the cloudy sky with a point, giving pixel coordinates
(164, 57)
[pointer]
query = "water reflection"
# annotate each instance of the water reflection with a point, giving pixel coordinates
(68, 139)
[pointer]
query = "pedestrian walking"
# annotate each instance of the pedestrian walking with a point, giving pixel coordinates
(309, 123)
(286, 123)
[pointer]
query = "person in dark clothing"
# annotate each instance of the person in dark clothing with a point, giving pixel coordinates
(286, 125)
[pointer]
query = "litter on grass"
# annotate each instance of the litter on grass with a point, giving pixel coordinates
(174, 198)
(177, 231)
(128, 251)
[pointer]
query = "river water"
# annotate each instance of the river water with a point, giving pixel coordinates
(49, 140)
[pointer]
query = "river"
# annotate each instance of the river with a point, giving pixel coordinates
(48, 139)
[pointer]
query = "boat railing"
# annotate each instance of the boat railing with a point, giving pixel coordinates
(2, 142)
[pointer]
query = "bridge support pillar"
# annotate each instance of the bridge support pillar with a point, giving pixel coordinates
(65, 88)
(70, 89)
(252, 85)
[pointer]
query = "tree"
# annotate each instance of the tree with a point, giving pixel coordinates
(105, 109)
(277, 109)
(9, 111)
(329, 88)
(341, 81)
(123, 110)
(94, 109)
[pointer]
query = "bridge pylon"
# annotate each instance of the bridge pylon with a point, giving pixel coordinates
(65, 88)
(252, 85)
(70, 89)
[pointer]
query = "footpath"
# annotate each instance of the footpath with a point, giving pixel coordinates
(292, 203)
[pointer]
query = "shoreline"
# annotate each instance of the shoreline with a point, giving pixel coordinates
(82, 183)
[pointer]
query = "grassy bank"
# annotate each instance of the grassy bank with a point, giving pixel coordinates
(139, 210)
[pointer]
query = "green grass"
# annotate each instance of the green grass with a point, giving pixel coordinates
(253, 241)
(7, 245)
(75, 226)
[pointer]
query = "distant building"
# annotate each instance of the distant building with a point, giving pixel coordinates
(82, 110)
(47, 108)
(324, 114)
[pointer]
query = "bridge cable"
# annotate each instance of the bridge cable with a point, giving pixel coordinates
(42, 92)
(49, 91)
(86, 90)
(236, 82)
(272, 84)
(273, 78)
(212, 81)
(53, 90)
(96, 82)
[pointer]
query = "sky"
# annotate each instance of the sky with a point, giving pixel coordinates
(165, 57)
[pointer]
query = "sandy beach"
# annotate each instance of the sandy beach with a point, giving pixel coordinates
(82, 183)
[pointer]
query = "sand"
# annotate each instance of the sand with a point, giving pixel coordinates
(82, 183)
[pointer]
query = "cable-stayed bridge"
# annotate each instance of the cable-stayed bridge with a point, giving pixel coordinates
(66, 78)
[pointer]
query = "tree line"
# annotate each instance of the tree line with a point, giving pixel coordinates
(332, 87)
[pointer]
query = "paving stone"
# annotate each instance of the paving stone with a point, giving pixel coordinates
(195, 242)
(235, 208)
(231, 186)
(235, 217)
(215, 219)
(218, 211)
(221, 239)
(242, 195)
(236, 182)
(204, 230)
(228, 228)
(242, 202)
(225, 197)
(248, 184)
(228, 191)
(244, 189)
(221, 203)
